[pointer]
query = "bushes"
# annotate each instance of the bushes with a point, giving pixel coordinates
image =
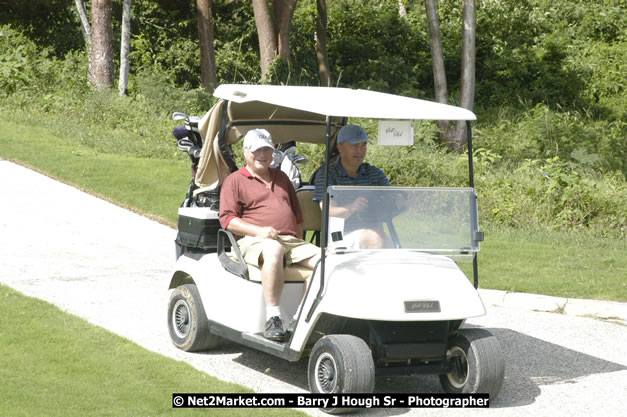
(27, 68)
(551, 193)
(371, 47)
(542, 132)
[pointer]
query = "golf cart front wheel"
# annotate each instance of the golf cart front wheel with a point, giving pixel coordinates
(475, 363)
(187, 322)
(341, 364)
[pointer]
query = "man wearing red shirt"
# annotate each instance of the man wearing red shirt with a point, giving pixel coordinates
(260, 204)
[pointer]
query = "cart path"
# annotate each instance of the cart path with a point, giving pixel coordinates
(111, 267)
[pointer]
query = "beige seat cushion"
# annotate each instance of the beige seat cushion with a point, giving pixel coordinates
(293, 273)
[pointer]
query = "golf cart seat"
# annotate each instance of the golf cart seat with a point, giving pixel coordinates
(293, 273)
(234, 262)
(312, 215)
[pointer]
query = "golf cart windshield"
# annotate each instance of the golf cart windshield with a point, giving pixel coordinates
(435, 220)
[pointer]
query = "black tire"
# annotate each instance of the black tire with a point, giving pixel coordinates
(187, 322)
(476, 363)
(341, 364)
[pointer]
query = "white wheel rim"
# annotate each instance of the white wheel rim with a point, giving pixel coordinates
(326, 373)
(181, 319)
(458, 379)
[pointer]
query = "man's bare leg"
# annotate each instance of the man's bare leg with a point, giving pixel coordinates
(272, 273)
(371, 239)
(272, 280)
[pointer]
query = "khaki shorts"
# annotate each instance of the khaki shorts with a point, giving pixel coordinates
(296, 249)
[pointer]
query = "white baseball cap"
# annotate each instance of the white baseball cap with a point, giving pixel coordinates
(257, 139)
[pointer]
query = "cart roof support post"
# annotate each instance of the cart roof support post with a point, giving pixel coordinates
(471, 177)
(325, 219)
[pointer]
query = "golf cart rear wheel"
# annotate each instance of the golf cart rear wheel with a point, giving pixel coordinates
(187, 322)
(475, 363)
(341, 364)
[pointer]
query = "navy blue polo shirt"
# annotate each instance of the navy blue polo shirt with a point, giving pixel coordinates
(366, 175)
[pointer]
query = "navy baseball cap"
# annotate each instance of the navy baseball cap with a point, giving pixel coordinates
(352, 134)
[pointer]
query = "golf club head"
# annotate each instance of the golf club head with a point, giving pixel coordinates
(177, 115)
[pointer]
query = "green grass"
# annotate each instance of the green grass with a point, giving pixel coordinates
(564, 264)
(56, 364)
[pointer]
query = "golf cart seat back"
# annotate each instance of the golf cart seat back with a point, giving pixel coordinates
(226, 123)
(312, 215)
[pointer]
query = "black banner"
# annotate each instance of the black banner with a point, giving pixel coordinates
(330, 400)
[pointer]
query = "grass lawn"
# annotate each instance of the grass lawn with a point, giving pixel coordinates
(554, 263)
(56, 364)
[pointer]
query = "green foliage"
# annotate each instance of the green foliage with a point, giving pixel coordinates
(371, 47)
(52, 24)
(26, 67)
(542, 132)
(550, 193)
(236, 42)
(168, 41)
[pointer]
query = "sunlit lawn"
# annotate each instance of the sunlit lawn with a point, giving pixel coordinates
(56, 364)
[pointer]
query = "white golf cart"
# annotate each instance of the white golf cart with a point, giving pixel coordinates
(392, 311)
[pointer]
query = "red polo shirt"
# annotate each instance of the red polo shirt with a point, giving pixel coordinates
(247, 198)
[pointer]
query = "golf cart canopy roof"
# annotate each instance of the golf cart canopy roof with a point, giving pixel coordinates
(297, 113)
(343, 102)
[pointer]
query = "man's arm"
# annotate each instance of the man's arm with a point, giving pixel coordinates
(242, 228)
(358, 205)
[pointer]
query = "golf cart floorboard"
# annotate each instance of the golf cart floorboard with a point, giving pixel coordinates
(256, 341)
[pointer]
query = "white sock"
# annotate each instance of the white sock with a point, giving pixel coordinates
(272, 311)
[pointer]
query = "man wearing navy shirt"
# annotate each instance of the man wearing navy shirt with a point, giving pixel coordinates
(350, 169)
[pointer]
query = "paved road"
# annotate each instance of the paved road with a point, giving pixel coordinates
(110, 266)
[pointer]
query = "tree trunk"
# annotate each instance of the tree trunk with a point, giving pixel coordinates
(467, 93)
(274, 37)
(321, 44)
(402, 11)
(102, 45)
(86, 29)
(207, 53)
(125, 47)
(283, 11)
(439, 71)
(266, 34)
